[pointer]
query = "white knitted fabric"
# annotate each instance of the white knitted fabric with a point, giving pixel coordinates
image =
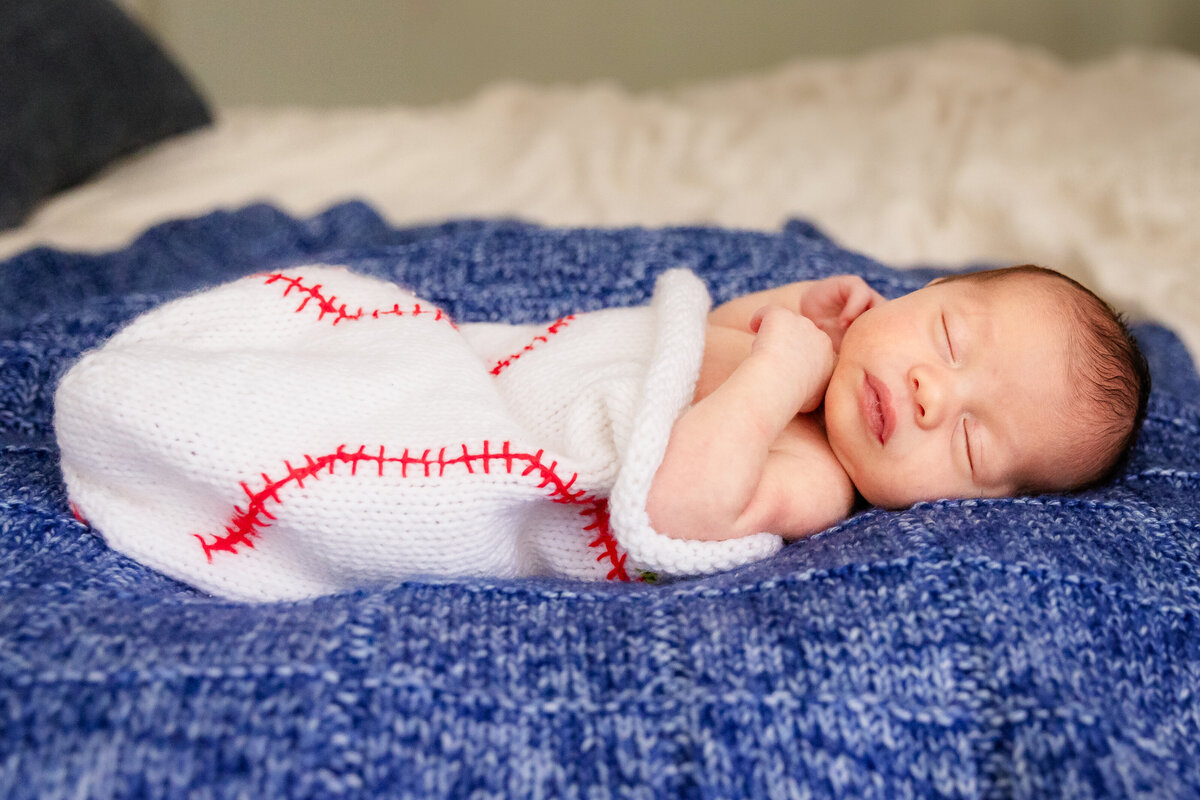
(314, 430)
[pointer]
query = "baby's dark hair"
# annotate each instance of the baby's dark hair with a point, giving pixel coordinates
(1107, 364)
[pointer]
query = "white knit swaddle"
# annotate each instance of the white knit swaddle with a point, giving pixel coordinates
(314, 430)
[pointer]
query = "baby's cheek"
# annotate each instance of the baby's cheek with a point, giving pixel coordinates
(899, 485)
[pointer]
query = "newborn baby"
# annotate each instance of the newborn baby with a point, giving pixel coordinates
(990, 384)
(314, 430)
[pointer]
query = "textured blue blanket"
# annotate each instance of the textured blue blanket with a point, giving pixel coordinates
(1041, 647)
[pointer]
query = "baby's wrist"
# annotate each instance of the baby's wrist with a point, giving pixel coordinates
(788, 382)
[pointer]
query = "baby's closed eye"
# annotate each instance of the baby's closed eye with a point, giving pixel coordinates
(949, 339)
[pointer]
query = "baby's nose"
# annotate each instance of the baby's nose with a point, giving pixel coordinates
(928, 396)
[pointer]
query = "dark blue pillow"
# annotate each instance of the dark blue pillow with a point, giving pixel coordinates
(80, 85)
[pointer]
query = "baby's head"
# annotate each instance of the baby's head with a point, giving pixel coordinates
(999, 383)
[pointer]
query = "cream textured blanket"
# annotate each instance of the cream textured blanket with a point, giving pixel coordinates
(958, 151)
(313, 430)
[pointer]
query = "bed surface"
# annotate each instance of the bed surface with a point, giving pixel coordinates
(1041, 647)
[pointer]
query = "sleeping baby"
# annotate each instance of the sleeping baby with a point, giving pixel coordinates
(313, 430)
(991, 384)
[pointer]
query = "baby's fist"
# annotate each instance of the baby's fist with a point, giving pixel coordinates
(801, 353)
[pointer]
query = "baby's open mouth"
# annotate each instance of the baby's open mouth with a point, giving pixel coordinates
(875, 402)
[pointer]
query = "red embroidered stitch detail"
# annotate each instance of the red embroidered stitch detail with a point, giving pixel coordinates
(604, 539)
(75, 512)
(246, 524)
(554, 328)
(329, 305)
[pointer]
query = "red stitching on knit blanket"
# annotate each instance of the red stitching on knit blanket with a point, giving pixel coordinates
(329, 305)
(247, 524)
(554, 328)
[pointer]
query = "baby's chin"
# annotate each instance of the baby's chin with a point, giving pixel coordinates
(899, 498)
(895, 498)
(891, 503)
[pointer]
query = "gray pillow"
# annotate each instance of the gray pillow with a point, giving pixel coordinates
(80, 85)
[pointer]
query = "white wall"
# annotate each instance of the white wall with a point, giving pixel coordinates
(346, 52)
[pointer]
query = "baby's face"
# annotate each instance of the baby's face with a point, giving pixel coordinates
(960, 389)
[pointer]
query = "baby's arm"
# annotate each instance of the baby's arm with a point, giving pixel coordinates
(832, 303)
(722, 472)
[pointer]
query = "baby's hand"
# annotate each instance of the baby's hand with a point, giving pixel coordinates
(834, 303)
(802, 354)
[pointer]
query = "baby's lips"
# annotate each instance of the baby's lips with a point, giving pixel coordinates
(875, 405)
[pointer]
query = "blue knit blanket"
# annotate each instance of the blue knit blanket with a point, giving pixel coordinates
(1037, 647)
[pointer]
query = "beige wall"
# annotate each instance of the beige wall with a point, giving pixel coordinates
(347, 52)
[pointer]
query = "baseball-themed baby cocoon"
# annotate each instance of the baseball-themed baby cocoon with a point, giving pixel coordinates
(313, 430)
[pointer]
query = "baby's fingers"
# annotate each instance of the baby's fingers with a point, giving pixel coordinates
(857, 298)
(757, 318)
(776, 322)
(860, 299)
(780, 330)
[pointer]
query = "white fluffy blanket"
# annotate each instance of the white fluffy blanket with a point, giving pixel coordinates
(951, 152)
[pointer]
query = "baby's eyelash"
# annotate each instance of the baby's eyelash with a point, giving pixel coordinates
(946, 330)
(967, 439)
